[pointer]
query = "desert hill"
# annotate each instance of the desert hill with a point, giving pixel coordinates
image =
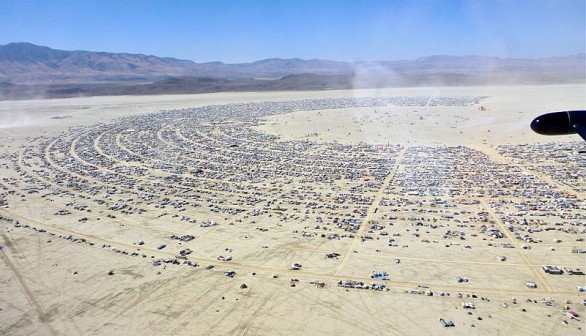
(31, 71)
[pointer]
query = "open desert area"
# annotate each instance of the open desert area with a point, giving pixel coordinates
(365, 212)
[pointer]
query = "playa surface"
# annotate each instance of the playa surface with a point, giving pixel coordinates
(334, 212)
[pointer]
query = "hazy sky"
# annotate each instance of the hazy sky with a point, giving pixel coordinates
(345, 30)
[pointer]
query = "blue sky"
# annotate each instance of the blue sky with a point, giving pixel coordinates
(245, 31)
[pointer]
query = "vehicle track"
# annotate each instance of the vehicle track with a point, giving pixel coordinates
(30, 294)
(536, 271)
(309, 276)
(369, 214)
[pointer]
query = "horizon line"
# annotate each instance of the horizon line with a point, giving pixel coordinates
(299, 58)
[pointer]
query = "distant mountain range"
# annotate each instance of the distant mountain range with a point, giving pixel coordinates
(29, 70)
(25, 63)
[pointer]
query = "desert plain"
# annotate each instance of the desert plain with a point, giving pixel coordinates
(358, 212)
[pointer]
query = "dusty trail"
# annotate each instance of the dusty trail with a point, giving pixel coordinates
(369, 214)
(33, 298)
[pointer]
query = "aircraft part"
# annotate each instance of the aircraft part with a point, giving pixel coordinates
(561, 123)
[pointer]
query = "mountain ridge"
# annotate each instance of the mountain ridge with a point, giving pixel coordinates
(30, 71)
(26, 63)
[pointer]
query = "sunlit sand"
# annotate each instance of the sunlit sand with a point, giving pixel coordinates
(74, 222)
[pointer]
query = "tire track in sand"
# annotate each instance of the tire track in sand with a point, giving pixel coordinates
(32, 297)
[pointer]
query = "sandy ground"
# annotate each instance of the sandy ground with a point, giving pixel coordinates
(54, 270)
(508, 111)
